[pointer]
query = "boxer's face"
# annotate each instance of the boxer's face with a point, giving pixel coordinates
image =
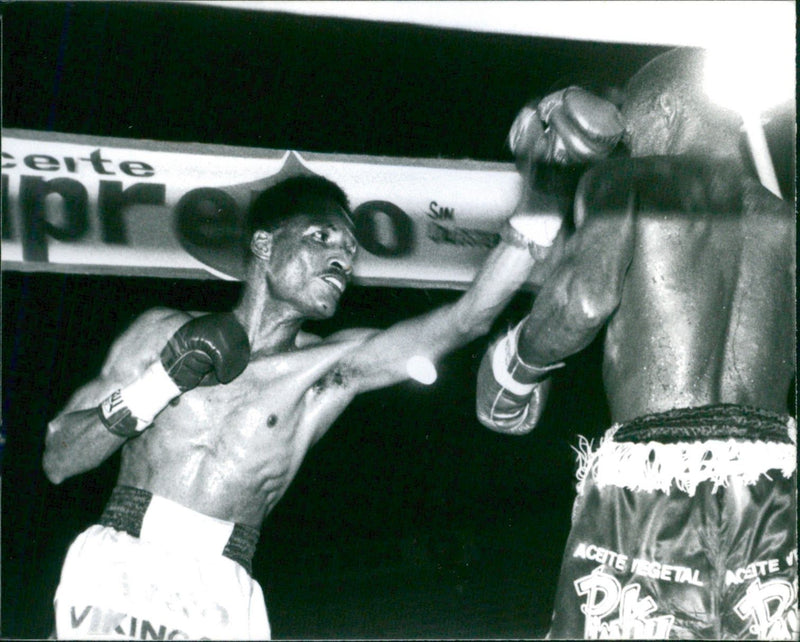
(631, 118)
(649, 131)
(311, 260)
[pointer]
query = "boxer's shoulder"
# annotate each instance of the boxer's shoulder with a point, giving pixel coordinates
(311, 359)
(609, 180)
(663, 184)
(162, 319)
(604, 188)
(144, 336)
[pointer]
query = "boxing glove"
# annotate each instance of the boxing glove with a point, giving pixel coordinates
(510, 393)
(568, 126)
(204, 351)
(214, 347)
(565, 128)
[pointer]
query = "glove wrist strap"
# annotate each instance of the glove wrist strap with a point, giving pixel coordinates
(129, 410)
(513, 373)
(541, 371)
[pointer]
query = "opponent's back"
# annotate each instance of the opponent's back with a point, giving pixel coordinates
(706, 313)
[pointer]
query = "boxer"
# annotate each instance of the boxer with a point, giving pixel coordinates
(685, 522)
(214, 414)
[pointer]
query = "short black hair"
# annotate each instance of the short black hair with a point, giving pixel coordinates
(279, 203)
(679, 70)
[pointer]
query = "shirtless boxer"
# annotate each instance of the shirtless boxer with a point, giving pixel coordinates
(215, 413)
(685, 523)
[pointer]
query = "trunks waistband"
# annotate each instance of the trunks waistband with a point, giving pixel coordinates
(719, 421)
(723, 444)
(150, 517)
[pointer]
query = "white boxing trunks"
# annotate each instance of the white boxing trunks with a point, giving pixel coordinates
(154, 569)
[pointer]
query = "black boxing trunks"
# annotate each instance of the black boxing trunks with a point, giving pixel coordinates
(154, 569)
(685, 526)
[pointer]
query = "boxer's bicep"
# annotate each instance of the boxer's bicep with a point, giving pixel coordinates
(599, 258)
(598, 254)
(584, 289)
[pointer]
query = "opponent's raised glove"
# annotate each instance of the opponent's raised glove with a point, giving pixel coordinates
(568, 127)
(511, 393)
(204, 351)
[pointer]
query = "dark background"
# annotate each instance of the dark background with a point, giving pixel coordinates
(408, 519)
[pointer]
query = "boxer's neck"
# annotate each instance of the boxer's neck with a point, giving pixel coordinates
(272, 325)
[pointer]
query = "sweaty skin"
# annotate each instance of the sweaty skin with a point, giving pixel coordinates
(691, 265)
(230, 451)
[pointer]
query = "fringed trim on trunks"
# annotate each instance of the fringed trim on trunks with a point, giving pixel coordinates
(654, 465)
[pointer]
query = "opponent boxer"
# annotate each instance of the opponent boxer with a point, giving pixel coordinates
(214, 414)
(685, 523)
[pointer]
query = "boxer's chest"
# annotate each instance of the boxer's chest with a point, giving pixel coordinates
(276, 405)
(232, 450)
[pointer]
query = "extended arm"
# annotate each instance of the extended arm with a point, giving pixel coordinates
(383, 359)
(568, 126)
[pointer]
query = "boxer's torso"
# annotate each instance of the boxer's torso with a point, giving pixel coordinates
(707, 309)
(230, 451)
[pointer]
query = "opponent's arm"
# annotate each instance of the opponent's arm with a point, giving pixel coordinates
(142, 373)
(582, 292)
(566, 127)
(511, 391)
(511, 394)
(585, 288)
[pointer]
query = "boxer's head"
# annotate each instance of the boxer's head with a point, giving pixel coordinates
(302, 243)
(667, 111)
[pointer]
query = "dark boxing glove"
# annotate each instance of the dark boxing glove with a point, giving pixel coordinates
(204, 351)
(215, 343)
(568, 126)
(510, 393)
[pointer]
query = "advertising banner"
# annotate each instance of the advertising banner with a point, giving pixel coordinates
(145, 208)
